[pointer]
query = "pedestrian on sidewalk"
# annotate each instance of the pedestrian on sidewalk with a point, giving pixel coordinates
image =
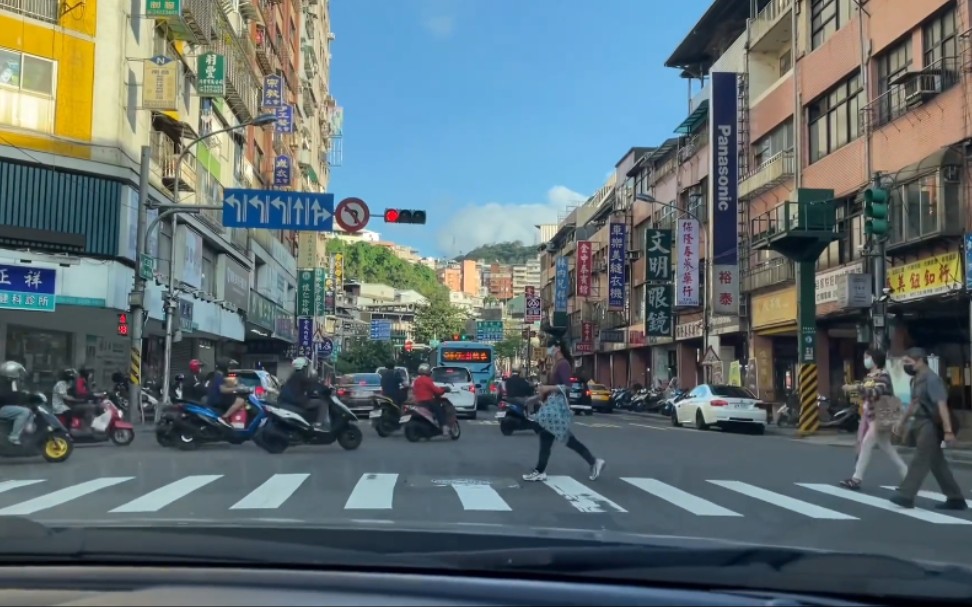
(554, 416)
(935, 427)
(881, 411)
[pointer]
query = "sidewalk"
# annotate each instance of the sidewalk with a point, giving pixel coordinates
(960, 454)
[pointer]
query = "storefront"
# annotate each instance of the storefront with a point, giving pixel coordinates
(690, 348)
(773, 349)
(841, 342)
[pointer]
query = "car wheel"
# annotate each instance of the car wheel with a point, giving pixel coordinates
(700, 421)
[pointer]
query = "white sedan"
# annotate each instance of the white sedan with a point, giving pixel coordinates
(463, 393)
(719, 405)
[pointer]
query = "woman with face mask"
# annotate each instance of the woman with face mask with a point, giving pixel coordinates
(876, 383)
(555, 415)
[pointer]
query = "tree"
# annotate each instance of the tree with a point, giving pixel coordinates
(367, 262)
(438, 319)
(511, 347)
(365, 357)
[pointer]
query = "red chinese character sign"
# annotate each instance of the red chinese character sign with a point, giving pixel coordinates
(586, 343)
(585, 249)
(687, 262)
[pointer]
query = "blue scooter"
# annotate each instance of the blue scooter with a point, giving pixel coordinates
(513, 414)
(187, 425)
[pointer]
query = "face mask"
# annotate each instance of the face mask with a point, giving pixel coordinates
(910, 369)
(551, 350)
(868, 363)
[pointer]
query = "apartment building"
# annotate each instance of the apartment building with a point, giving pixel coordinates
(168, 76)
(827, 95)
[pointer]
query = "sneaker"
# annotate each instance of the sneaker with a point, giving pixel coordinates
(225, 422)
(535, 476)
(596, 468)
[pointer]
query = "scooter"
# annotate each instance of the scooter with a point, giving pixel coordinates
(386, 416)
(513, 414)
(847, 418)
(44, 435)
(186, 425)
(286, 427)
(420, 422)
(108, 425)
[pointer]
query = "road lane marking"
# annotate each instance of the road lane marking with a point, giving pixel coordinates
(580, 496)
(930, 495)
(481, 498)
(373, 492)
(650, 427)
(682, 499)
(153, 501)
(63, 496)
(597, 425)
(271, 494)
(884, 504)
(783, 501)
(10, 485)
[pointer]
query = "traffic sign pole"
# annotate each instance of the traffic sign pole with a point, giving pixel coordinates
(136, 300)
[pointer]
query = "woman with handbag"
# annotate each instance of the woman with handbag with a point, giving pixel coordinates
(554, 416)
(881, 411)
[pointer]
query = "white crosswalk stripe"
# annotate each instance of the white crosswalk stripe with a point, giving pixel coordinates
(928, 495)
(208, 494)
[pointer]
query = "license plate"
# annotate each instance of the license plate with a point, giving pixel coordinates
(405, 419)
(500, 414)
(374, 414)
(739, 406)
(359, 394)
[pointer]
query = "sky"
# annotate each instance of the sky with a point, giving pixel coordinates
(495, 115)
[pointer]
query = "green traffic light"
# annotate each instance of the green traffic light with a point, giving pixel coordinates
(876, 196)
(877, 208)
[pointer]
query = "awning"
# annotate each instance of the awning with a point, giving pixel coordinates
(928, 164)
(171, 124)
(695, 120)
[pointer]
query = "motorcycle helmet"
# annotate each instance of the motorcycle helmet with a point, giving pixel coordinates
(180, 377)
(300, 363)
(195, 366)
(226, 364)
(425, 369)
(13, 371)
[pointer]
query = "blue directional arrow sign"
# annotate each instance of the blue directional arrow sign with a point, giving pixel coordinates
(278, 210)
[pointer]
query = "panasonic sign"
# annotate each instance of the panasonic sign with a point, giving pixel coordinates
(723, 191)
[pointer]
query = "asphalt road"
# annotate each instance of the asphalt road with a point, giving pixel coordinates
(658, 480)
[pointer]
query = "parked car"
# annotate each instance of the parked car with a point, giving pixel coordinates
(579, 397)
(720, 405)
(358, 391)
(463, 394)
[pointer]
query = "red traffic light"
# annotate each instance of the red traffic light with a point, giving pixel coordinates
(408, 345)
(405, 216)
(391, 215)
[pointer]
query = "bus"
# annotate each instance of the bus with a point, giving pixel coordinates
(477, 358)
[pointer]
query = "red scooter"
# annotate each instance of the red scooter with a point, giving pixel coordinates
(108, 425)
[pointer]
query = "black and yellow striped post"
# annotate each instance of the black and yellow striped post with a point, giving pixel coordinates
(809, 411)
(135, 370)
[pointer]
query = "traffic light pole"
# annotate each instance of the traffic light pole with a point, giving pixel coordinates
(876, 212)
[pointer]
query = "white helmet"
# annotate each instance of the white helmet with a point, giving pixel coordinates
(300, 363)
(13, 370)
(424, 369)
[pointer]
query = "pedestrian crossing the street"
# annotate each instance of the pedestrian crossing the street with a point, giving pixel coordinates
(321, 494)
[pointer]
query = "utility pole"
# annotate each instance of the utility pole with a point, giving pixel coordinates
(136, 300)
(876, 225)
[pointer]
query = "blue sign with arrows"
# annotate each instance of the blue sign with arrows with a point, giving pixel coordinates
(278, 210)
(381, 330)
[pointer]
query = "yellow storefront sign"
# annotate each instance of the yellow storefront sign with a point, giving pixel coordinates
(774, 309)
(926, 277)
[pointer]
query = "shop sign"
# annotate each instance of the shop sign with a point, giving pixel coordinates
(778, 308)
(585, 250)
(261, 311)
(28, 288)
(827, 282)
(687, 251)
(926, 277)
(688, 330)
(617, 261)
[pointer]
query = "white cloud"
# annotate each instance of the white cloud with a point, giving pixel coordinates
(493, 222)
(441, 26)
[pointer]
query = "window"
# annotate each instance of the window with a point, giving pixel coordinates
(826, 17)
(850, 229)
(891, 65)
(786, 62)
(775, 142)
(834, 118)
(939, 41)
(924, 207)
(27, 91)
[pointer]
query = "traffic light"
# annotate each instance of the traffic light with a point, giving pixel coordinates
(404, 216)
(877, 203)
(123, 324)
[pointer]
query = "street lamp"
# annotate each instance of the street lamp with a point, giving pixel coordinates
(705, 300)
(174, 210)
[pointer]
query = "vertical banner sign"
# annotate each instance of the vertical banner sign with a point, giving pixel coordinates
(687, 262)
(561, 285)
(617, 259)
(585, 249)
(285, 119)
(587, 332)
(659, 315)
(160, 84)
(534, 309)
(211, 68)
(282, 168)
(320, 275)
(305, 337)
(723, 182)
(272, 91)
(330, 296)
(968, 262)
(305, 293)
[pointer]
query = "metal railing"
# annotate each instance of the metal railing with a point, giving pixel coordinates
(908, 91)
(42, 10)
(768, 274)
(768, 17)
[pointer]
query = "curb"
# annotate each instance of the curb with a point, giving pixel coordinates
(961, 458)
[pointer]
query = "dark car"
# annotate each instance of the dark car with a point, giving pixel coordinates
(358, 391)
(579, 396)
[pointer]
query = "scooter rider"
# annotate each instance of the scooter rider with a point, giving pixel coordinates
(298, 392)
(223, 393)
(13, 399)
(426, 394)
(195, 387)
(391, 384)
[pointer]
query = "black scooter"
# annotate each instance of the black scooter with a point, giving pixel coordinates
(44, 435)
(386, 416)
(513, 414)
(288, 427)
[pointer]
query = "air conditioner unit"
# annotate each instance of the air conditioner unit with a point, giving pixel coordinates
(920, 88)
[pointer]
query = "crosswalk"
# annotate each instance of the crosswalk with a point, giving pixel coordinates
(327, 495)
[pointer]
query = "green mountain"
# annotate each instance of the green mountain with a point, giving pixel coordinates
(366, 262)
(509, 253)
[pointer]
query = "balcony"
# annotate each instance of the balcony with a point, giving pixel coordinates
(771, 30)
(280, 144)
(771, 173)
(799, 229)
(194, 21)
(307, 97)
(253, 10)
(265, 53)
(768, 274)
(42, 10)
(310, 60)
(242, 94)
(164, 158)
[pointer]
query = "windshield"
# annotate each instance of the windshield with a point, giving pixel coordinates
(729, 241)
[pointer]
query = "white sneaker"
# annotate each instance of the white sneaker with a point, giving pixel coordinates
(535, 476)
(596, 468)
